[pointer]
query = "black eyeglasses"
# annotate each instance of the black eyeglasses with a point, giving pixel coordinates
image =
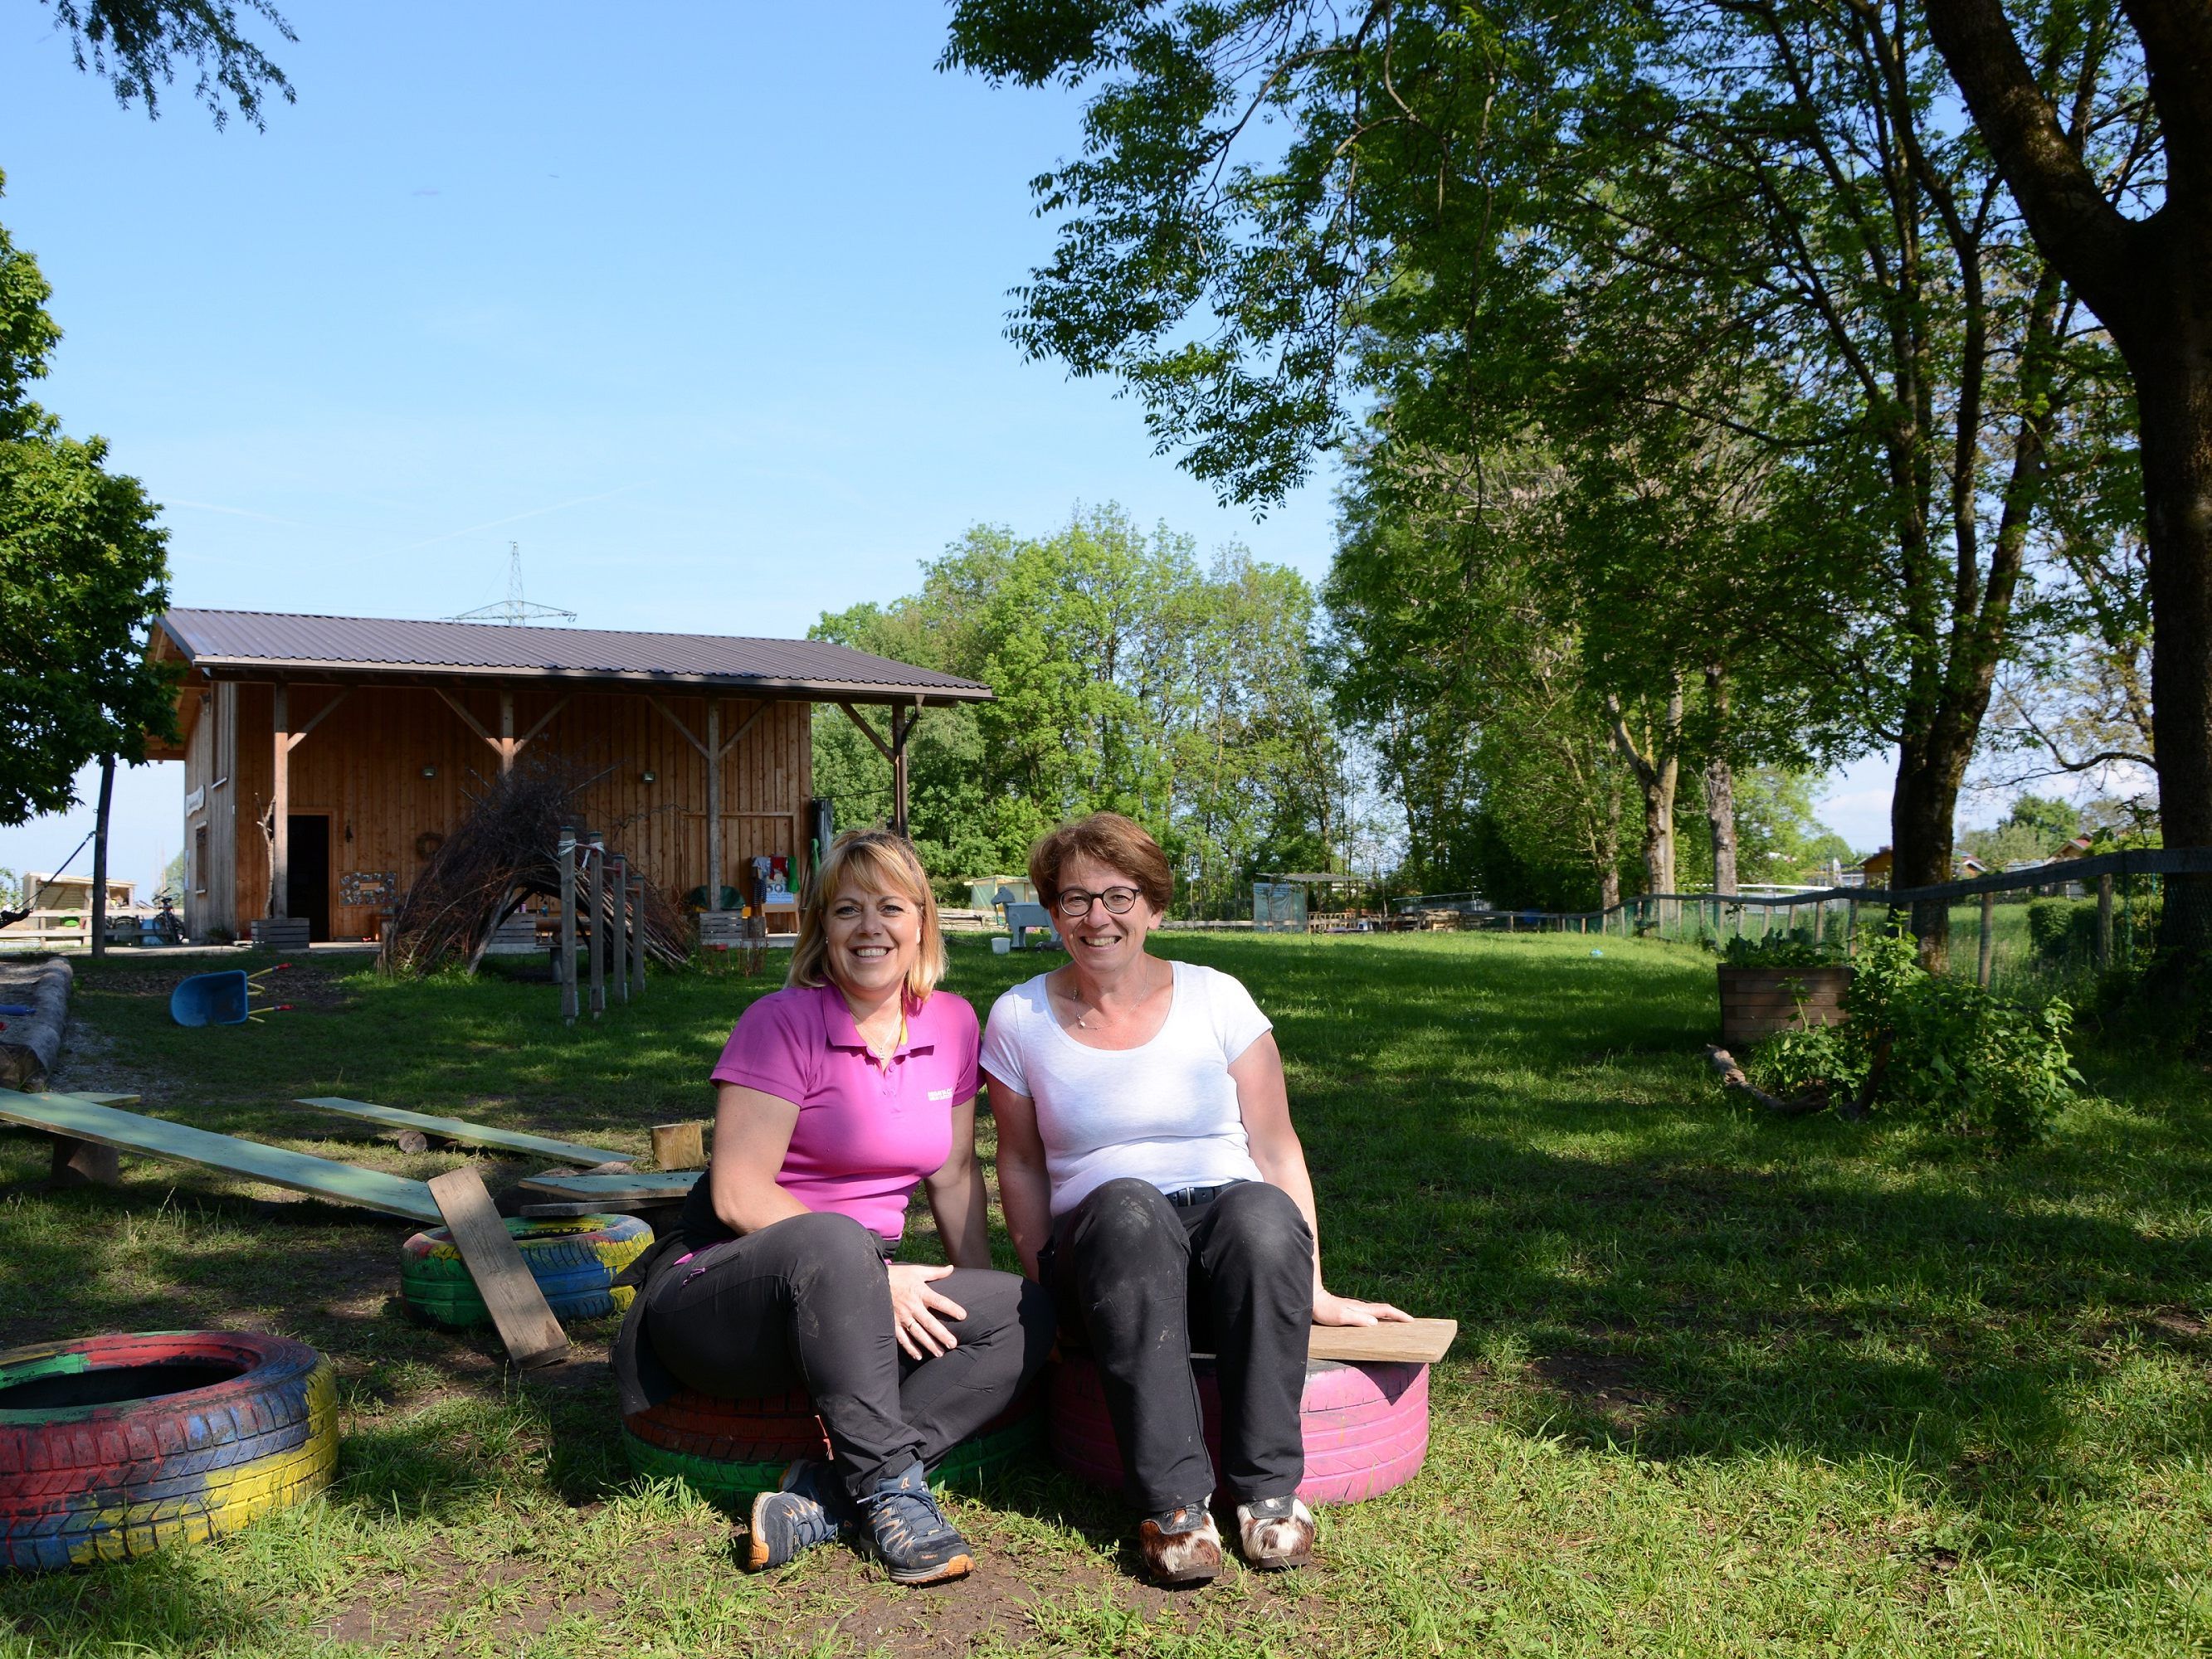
(1074, 902)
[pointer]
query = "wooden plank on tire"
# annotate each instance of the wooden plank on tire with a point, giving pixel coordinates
(518, 1307)
(1416, 1341)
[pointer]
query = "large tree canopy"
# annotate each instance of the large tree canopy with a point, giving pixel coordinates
(138, 46)
(1478, 228)
(82, 573)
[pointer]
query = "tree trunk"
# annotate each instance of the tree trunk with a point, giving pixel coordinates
(1720, 819)
(99, 856)
(2174, 401)
(1656, 773)
(1608, 869)
(1930, 768)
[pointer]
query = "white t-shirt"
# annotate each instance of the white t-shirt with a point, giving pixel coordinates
(1165, 1112)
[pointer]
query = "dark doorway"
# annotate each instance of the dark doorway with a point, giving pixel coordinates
(307, 872)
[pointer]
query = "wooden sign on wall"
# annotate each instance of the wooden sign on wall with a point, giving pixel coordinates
(376, 887)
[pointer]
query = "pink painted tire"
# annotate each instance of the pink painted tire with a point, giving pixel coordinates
(1366, 1426)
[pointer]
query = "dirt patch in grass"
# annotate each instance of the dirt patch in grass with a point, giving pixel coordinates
(1610, 1385)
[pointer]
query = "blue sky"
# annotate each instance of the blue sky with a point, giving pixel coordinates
(703, 304)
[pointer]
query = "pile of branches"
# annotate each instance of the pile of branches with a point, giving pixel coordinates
(502, 852)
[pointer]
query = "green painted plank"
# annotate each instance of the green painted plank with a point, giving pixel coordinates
(100, 1099)
(469, 1134)
(639, 1189)
(129, 1131)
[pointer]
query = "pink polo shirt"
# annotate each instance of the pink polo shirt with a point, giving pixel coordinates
(865, 1133)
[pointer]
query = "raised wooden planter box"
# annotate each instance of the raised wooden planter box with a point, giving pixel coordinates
(1757, 1002)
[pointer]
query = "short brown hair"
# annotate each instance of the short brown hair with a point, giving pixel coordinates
(1107, 838)
(884, 863)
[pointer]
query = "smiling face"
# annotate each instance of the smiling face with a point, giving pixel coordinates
(873, 939)
(1098, 941)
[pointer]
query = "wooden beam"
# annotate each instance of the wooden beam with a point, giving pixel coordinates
(1417, 1341)
(679, 1146)
(874, 737)
(463, 1133)
(322, 714)
(518, 1307)
(469, 719)
(746, 725)
(543, 720)
(669, 714)
(280, 805)
(713, 749)
(506, 744)
(180, 1143)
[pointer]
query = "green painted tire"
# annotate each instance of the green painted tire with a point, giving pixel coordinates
(574, 1261)
(1015, 1437)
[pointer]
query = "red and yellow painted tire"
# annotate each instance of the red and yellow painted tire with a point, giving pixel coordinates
(728, 1449)
(114, 1446)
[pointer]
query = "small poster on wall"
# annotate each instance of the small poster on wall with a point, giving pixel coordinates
(372, 887)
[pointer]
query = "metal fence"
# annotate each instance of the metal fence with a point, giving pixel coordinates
(2129, 889)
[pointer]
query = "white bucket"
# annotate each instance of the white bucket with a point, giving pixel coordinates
(1001, 945)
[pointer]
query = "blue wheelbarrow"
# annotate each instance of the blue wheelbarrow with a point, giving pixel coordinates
(211, 999)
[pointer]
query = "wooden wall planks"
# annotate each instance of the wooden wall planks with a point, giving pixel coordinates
(363, 766)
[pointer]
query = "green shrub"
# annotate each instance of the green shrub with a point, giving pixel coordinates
(1942, 1052)
(1796, 949)
(2063, 930)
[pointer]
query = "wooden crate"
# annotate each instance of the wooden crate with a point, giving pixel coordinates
(1757, 1002)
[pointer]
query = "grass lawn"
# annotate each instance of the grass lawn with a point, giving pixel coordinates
(1723, 1385)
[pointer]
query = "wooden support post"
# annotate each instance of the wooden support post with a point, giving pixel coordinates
(564, 965)
(1850, 928)
(1819, 921)
(679, 1146)
(617, 889)
(2104, 922)
(518, 1307)
(280, 805)
(713, 804)
(1982, 956)
(78, 1163)
(637, 937)
(506, 744)
(594, 886)
(97, 943)
(901, 725)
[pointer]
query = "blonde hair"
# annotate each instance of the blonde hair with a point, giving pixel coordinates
(880, 862)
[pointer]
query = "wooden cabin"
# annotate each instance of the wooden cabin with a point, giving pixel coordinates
(326, 757)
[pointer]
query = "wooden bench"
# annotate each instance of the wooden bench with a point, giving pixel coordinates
(466, 1134)
(75, 1123)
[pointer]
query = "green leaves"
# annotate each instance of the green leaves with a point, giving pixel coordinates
(83, 571)
(1127, 678)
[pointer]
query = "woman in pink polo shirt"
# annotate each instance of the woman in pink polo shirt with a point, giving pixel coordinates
(837, 1094)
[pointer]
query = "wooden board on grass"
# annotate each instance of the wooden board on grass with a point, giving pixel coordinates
(518, 1307)
(466, 1134)
(1416, 1341)
(77, 1119)
(615, 1188)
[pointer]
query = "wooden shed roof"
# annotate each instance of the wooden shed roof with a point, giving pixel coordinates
(263, 644)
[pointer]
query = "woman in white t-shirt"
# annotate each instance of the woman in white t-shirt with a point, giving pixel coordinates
(1152, 1181)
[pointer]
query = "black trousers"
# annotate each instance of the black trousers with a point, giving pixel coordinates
(1146, 1282)
(805, 1303)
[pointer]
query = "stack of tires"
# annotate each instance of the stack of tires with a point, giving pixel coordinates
(114, 1446)
(573, 1261)
(1366, 1425)
(728, 1449)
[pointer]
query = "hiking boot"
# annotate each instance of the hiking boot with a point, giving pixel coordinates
(1182, 1547)
(909, 1535)
(807, 1508)
(1275, 1532)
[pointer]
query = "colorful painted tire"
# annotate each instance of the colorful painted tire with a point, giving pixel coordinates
(731, 1449)
(574, 1261)
(1366, 1426)
(116, 1445)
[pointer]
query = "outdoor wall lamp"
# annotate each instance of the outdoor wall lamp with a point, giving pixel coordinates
(652, 777)
(429, 771)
